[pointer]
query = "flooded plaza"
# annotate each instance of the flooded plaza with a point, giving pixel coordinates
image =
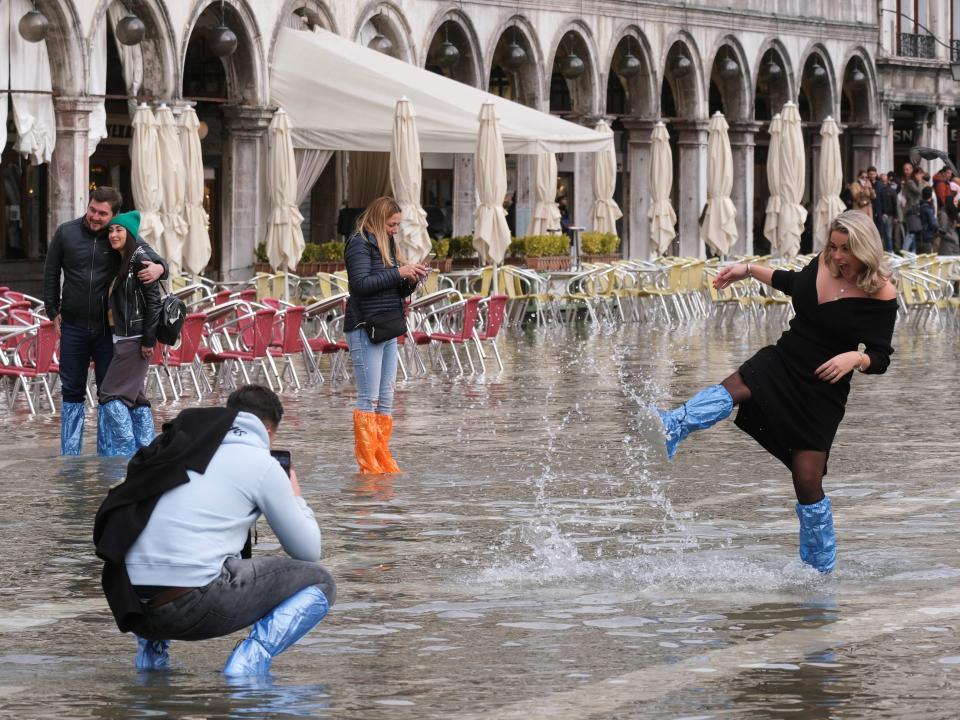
(539, 557)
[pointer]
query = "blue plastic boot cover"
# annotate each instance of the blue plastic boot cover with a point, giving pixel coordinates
(71, 428)
(706, 408)
(152, 654)
(275, 632)
(115, 430)
(143, 430)
(818, 542)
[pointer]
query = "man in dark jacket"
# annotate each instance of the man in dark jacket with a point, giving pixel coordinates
(885, 210)
(78, 307)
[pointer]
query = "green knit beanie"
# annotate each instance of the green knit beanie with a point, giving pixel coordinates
(130, 221)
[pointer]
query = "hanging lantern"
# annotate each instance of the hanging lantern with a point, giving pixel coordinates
(515, 57)
(447, 55)
(857, 77)
(222, 41)
(572, 67)
(130, 30)
(381, 43)
(817, 71)
(774, 70)
(629, 66)
(682, 65)
(729, 68)
(33, 26)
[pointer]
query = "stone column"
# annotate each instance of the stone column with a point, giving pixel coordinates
(885, 161)
(69, 171)
(865, 142)
(245, 202)
(813, 142)
(637, 243)
(692, 182)
(742, 142)
(583, 187)
(464, 194)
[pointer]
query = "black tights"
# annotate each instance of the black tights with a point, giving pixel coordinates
(806, 466)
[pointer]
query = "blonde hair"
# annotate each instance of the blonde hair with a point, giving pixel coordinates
(373, 220)
(864, 243)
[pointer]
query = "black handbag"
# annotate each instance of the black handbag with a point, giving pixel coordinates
(385, 326)
(173, 311)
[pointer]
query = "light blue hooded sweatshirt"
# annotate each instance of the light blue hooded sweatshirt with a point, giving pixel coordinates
(195, 527)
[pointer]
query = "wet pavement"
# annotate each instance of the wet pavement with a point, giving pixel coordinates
(539, 558)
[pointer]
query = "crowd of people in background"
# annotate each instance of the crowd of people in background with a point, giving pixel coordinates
(913, 212)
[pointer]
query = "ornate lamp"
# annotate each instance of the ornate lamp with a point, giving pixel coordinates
(448, 55)
(381, 43)
(33, 26)
(514, 57)
(629, 65)
(774, 70)
(817, 71)
(682, 65)
(572, 67)
(222, 41)
(130, 30)
(857, 77)
(729, 68)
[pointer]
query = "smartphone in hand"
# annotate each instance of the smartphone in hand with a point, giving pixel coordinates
(282, 457)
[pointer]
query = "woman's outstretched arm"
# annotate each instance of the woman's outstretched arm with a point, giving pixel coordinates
(739, 271)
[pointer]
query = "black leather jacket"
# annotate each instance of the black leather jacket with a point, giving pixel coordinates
(89, 265)
(135, 307)
(375, 289)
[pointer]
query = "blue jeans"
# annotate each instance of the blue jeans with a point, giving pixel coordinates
(886, 232)
(909, 242)
(375, 370)
(78, 346)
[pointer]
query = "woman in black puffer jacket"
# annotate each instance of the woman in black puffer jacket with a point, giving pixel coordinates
(379, 281)
(124, 420)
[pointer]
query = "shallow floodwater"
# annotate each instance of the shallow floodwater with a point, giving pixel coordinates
(539, 558)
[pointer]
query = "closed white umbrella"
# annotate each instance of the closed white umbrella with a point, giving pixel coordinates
(662, 217)
(546, 213)
(719, 229)
(284, 235)
(413, 240)
(196, 245)
(771, 221)
(145, 172)
(491, 234)
(605, 212)
(172, 185)
(829, 183)
(792, 178)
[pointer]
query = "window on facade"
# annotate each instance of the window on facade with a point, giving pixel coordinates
(560, 100)
(913, 29)
(500, 83)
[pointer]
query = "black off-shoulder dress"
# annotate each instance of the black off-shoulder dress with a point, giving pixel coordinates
(791, 408)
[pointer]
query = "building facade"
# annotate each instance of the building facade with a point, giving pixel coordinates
(869, 64)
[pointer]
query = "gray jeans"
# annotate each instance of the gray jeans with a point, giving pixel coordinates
(245, 591)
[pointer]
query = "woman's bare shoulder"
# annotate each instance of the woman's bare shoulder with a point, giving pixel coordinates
(887, 292)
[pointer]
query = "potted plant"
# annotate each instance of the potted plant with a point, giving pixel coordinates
(330, 256)
(462, 252)
(516, 253)
(547, 252)
(441, 260)
(598, 247)
(261, 262)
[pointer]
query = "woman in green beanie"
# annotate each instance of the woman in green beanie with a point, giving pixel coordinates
(124, 421)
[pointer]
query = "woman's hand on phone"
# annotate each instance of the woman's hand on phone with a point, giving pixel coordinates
(413, 272)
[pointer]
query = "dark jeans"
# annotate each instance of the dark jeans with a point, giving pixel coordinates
(78, 346)
(245, 591)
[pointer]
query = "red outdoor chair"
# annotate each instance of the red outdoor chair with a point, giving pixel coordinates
(457, 326)
(184, 355)
(255, 335)
(495, 307)
(32, 361)
(290, 342)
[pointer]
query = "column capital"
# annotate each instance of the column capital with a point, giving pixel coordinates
(247, 118)
(73, 113)
(641, 125)
(689, 131)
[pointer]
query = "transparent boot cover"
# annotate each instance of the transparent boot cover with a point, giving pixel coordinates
(115, 430)
(143, 429)
(706, 408)
(71, 428)
(818, 542)
(152, 654)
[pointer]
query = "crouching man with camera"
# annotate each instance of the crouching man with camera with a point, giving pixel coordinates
(173, 537)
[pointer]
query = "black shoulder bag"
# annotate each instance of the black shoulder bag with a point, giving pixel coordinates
(173, 311)
(384, 326)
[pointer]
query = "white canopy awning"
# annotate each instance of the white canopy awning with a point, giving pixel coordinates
(341, 96)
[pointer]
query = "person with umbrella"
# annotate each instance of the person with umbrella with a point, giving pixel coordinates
(792, 395)
(379, 280)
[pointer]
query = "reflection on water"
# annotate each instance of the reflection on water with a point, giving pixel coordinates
(539, 558)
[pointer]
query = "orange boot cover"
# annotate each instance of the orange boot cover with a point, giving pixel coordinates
(365, 439)
(385, 425)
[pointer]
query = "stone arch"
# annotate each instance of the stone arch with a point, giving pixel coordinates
(387, 18)
(161, 72)
(69, 62)
(816, 96)
(858, 100)
(526, 84)
(576, 37)
(642, 98)
(772, 91)
(682, 92)
(313, 12)
(246, 70)
(730, 92)
(454, 24)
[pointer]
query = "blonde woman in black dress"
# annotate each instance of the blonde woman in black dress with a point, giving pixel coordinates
(792, 395)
